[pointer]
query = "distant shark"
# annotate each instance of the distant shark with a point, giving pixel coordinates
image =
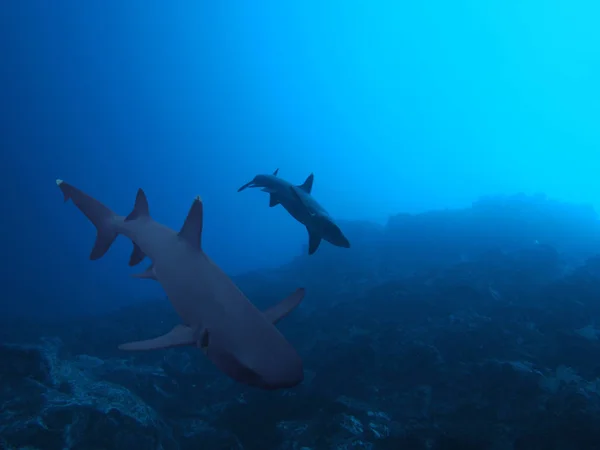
(238, 338)
(303, 207)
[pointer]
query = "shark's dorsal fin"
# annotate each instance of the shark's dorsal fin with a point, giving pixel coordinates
(140, 209)
(137, 255)
(147, 274)
(273, 200)
(191, 231)
(313, 242)
(276, 172)
(277, 312)
(307, 185)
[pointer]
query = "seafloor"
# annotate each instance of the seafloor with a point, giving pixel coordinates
(467, 329)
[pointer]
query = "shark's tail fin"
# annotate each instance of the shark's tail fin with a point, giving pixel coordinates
(101, 216)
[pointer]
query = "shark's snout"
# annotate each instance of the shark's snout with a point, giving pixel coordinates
(339, 241)
(344, 242)
(332, 233)
(257, 182)
(262, 366)
(260, 181)
(284, 376)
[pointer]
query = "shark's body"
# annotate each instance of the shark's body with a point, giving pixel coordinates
(302, 206)
(238, 338)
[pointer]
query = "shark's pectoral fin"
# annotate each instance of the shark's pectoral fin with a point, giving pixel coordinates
(275, 313)
(179, 336)
(313, 242)
(273, 201)
(149, 273)
(192, 227)
(137, 255)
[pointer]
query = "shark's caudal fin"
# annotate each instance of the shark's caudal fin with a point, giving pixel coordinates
(307, 185)
(286, 306)
(192, 227)
(100, 216)
(104, 219)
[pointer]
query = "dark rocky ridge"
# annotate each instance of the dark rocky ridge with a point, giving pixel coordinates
(445, 330)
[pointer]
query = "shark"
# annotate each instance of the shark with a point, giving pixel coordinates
(302, 206)
(242, 341)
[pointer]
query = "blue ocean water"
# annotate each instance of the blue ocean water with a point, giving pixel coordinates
(395, 107)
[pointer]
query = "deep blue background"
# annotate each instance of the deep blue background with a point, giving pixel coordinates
(395, 106)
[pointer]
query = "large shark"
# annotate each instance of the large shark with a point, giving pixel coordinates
(238, 338)
(298, 201)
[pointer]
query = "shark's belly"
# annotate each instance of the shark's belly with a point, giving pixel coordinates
(194, 291)
(201, 292)
(194, 305)
(239, 335)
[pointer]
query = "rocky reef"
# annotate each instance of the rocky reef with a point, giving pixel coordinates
(470, 329)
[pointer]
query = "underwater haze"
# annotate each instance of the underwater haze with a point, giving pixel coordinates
(451, 270)
(393, 106)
